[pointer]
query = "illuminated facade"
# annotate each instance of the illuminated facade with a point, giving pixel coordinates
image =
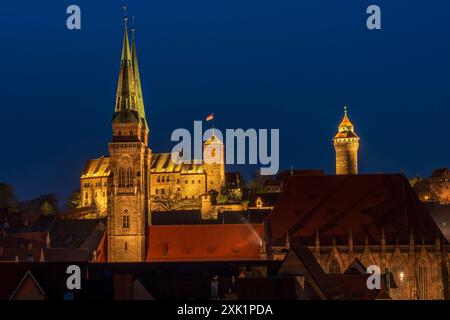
(126, 186)
(346, 144)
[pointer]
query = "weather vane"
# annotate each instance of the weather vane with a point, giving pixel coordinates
(125, 12)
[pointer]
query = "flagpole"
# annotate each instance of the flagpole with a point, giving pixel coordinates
(213, 124)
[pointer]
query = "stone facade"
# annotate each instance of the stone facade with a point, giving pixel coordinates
(416, 269)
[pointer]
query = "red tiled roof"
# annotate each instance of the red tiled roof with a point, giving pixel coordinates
(205, 242)
(363, 204)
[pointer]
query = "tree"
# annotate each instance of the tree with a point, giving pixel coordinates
(168, 201)
(35, 205)
(74, 200)
(8, 198)
(257, 182)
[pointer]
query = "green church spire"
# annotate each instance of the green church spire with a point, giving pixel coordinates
(137, 80)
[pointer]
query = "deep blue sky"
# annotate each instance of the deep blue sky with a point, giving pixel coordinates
(282, 64)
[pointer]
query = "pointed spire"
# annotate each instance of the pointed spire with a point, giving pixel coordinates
(126, 92)
(137, 79)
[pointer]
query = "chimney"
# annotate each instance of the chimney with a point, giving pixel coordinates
(47, 240)
(94, 256)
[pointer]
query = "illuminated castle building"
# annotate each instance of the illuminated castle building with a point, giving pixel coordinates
(346, 144)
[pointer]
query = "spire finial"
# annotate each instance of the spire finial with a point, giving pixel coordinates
(345, 109)
(132, 28)
(125, 17)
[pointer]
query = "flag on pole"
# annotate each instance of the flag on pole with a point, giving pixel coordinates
(210, 117)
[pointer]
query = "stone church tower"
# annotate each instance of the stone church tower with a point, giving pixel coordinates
(128, 207)
(346, 144)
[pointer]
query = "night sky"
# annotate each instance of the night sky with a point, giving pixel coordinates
(291, 65)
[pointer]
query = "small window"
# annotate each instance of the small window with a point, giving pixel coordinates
(156, 191)
(162, 191)
(163, 179)
(125, 219)
(186, 181)
(126, 246)
(159, 179)
(199, 181)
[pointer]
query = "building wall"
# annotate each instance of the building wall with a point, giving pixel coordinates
(94, 191)
(441, 187)
(128, 210)
(346, 155)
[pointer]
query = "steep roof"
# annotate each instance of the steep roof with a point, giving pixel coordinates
(204, 242)
(96, 168)
(363, 204)
(162, 163)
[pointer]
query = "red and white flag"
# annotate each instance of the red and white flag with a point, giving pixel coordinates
(210, 117)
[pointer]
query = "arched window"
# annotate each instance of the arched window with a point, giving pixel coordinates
(334, 267)
(398, 275)
(158, 179)
(121, 178)
(125, 219)
(129, 182)
(422, 280)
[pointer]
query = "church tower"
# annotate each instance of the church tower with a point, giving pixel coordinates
(214, 163)
(128, 207)
(346, 144)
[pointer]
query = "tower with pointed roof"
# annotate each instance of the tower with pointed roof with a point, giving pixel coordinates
(128, 207)
(346, 144)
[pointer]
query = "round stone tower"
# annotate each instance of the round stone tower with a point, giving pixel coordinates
(346, 144)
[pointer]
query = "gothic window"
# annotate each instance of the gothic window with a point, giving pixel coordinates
(334, 267)
(398, 275)
(163, 179)
(422, 280)
(125, 219)
(129, 178)
(121, 178)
